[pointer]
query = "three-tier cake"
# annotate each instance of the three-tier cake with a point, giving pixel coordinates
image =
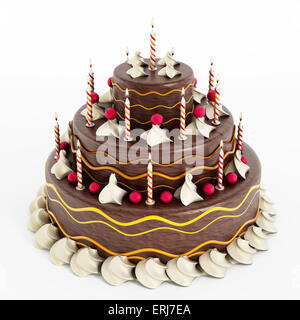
(152, 181)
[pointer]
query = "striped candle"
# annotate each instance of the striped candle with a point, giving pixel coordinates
(240, 134)
(216, 120)
(152, 65)
(80, 185)
(220, 168)
(211, 85)
(127, 117)
(89, 108)
(150, 200)
(57, 137)
(182, 135)
(91, 76)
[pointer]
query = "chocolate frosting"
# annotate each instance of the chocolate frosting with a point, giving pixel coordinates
(146, 86)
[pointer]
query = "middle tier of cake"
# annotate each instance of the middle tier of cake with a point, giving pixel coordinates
(197, 155)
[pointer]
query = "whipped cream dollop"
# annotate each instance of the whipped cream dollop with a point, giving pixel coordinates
(257, 238)
(66, 137)
(187, 193)
(266, 204)
(137, 60)
(210, 110)
(62, 167)
(168, 59)
(46, 236)
(151, 273)
(98, 113)
(197, 96)
(117, 270)
(42, 191)
(106, 97)
(110, 128)
(136, 71)
(198, 126)
(240, 251)
(214, 263)
(168, 71)
(156, 135)
(237, 165)
(38, 203)
(62, 251)
(183, 271)
(37, 219)
(112, 193)
(85, 261)
(266, 222)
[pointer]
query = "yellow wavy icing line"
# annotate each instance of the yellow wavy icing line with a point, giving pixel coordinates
(152, 217)
(152, 108)
(188, 254)
(152, 92)
(154, 229)
(155, 173)
(157, 163)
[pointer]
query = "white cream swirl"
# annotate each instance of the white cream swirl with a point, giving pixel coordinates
(62, 167)
(46, 236)
(197, 126)
(197, 96)
(136, 71)
(62, 251)
(187, 193)
(117, 270)
(155, 136)
(137, 60)
(214, 263)
(112, 193)
(182, 271)
(106, 97)
(98, 113)
(237, 165)
(85, 261)
(110, 128)
(151, 273)
(37, 219)
(168, 59)
(168, 71)
(240, 251)
(38, 203)
(257, 238)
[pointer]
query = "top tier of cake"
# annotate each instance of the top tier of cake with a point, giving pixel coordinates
(153, 94)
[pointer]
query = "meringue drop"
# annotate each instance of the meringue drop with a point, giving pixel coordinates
(187, 193)
(62, 251)
(46, 236)
(112, 193)
(155, 136)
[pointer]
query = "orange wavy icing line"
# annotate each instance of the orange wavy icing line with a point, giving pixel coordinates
(134, 252)
(152, 92)
(151, 108)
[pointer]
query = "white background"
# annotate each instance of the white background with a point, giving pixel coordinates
(45, 47)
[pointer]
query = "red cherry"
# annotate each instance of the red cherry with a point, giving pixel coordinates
(109, 82)
(211, 95)
(231, 178)
(195, 82)
(199, 112)
(244, 159)
(208, 189)
(64, 145)
(94, 187)
(94, 97)
(166, 197)
(135, 197)
(157, 119)
(72, 177)
(110, 113)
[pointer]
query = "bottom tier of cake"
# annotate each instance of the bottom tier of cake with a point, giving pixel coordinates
(163, 231)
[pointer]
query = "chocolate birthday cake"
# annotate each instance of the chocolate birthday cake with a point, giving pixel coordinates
(152, 181)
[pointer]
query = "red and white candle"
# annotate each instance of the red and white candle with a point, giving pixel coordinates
(152, 65)
(216, 120)
(182, 135)
(127, 117)
(240, 134)
(91, 76)
(150, 200)
(211, 84)
(89, 108)
(57, 137)
(80, 185)
(220, 168)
